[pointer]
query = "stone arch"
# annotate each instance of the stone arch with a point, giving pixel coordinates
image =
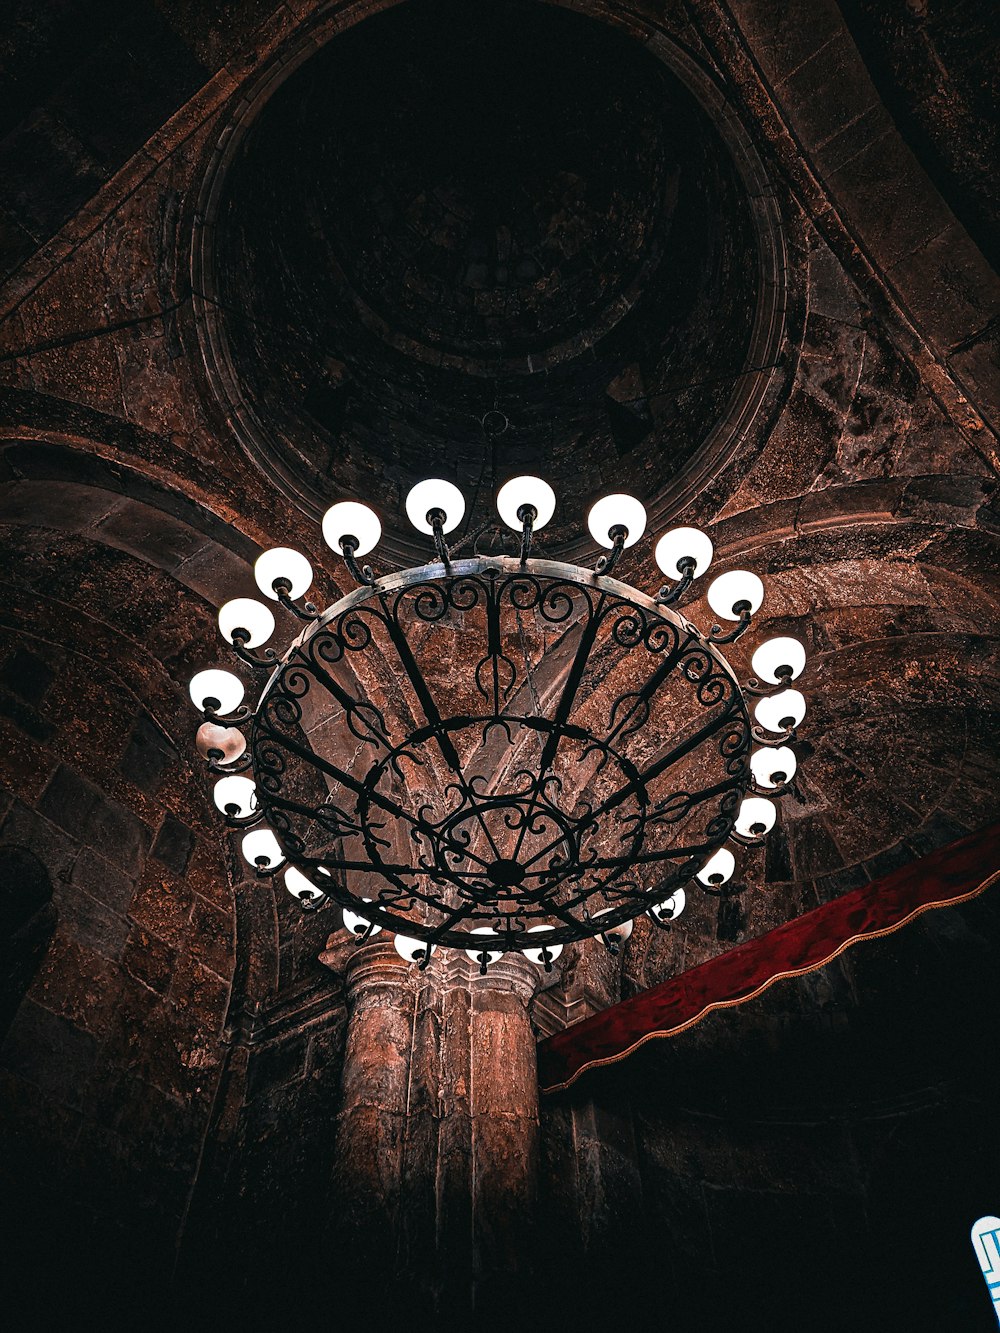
(870, 195)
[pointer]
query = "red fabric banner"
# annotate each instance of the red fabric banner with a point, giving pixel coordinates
(954, 874)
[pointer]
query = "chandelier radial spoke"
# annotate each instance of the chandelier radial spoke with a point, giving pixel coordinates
(430, 710)
(563, 708)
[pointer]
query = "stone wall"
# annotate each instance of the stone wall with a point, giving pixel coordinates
(110, 1064)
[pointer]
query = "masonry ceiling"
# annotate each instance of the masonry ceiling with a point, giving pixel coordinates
(729, 256)
(496, 240)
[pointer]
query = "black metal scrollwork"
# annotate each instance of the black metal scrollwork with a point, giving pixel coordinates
(495, 781)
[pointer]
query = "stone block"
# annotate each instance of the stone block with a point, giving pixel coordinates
(977, 368)
(27, 719)
(213, 572)
(146, 756)
(211, 939)
(153, 536)
(118, 835)
(174, 844)
(840, 882)
(96, 876)
(49, 1051)
(56, 850)
(90, 923)
(852, 137)
(280, 1063)
(814, 852)
(77, 983)
(326, 1049)
(27, 674)
(951, 290)
(936, 831)
(149, 960)
(162, 904)
(828, 93)
(884, 185)
(69, 802)
(787, 33)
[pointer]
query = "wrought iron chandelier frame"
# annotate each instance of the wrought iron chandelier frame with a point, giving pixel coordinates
(507, 854)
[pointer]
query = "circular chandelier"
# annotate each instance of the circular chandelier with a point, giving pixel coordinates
(500, 752)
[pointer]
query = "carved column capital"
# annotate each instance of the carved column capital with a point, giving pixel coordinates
(512, 973)
(372, 965)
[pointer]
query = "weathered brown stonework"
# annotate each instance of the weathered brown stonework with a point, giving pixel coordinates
(199, 1112)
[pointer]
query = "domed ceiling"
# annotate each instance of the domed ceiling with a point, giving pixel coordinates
(474, 242)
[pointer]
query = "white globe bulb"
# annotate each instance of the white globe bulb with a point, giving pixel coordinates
(718, 868)
(621, 932)
(683, 544)
(614, 511)
(671, 908)
(223, 745)
(262, 848)
(301, 886)
(414, 951)
(216, 689)
(435, 494)
(526, 491)
(785, 706)
(350, 519)
(728, 590)
(773, 768)
(238, 792)
(283, 563)
(756, 816)
(357, 924)
(476, 954)
(243, 613)
(775, 654)
(537, 955)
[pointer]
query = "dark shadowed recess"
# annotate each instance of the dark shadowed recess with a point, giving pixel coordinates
(452, 209)
(27, 920)
(811, 1160)
(936, 65)
(83, 84)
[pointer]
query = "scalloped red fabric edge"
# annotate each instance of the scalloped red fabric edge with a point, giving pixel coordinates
(951, 875)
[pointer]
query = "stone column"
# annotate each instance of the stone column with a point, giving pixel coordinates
(437, 1134)
(504, 1125)
(371, 1122)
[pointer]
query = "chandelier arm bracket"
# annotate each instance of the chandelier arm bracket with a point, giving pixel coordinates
(748, 840)
(238, 718)
(307, 611)
(527, 514)
(607, 562)
(267, 661)
(742, 625)
(668, 595)
(436, 518)
(361, 574)
(240, 765)
(772, 739)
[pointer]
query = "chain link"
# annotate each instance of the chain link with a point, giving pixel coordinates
(337, 784)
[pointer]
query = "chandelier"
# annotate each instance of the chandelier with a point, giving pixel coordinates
(500, 752)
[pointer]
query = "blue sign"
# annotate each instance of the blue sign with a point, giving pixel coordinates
(986, 1243)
